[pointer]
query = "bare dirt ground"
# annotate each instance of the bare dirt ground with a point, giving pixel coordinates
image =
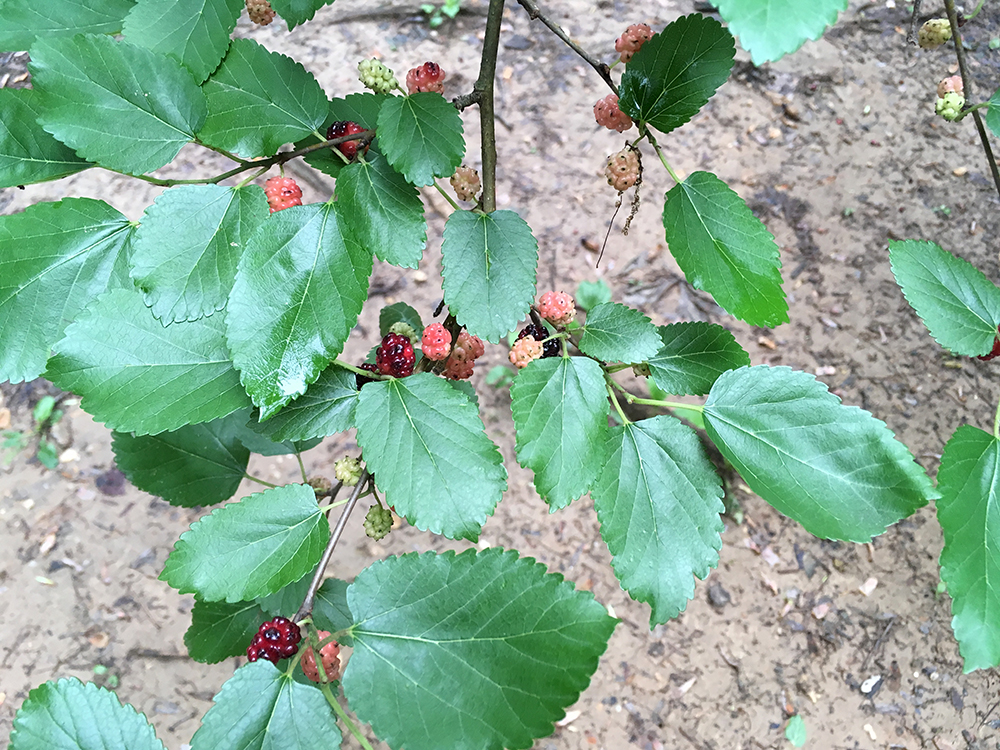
(838, 150)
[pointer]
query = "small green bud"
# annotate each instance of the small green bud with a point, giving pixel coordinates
(934, 33)
(348, 471)
(377, 77)
(378, 522)
(405, 329)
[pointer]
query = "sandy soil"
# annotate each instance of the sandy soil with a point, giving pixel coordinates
(837, 149)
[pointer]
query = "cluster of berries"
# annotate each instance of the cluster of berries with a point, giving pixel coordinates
(348, 471)
(376, 76)
(282, 193)
(348, 148)
(427, 77)
(276, 639)
(557, 307)
(466, 183)
(623, 169)
(395, 356)
(934, 33)
(632, 39)
(329, 655)
(608, 114)
(378, 522)
(951, 98)
(260, 12)
(436, 346)
(531, 344)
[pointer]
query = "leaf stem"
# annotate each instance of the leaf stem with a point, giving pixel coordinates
(975, 13)
(618, 406)
(616, 368)
(535, 14)
(342, 715)
(447, 197)
(633, 399)
(663, 159)
(358, 371)
(963, 67)
(307, 602)
(487, 116)
(302, 468)
(258, 480)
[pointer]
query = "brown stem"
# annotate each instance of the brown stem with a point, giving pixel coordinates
(911, 37)
(535, 13)
(285, 156)
(487, 122)
(963, 67)
(307, 603)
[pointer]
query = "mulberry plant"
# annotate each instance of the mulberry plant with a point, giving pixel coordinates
(215, 325)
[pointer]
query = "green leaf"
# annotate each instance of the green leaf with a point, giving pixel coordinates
(659, 502)
(770, 29)
(489, 263)
(398, 312)
(693, 356)
(286, 601)
(250, 548)
(55, 258)
(795, 731)
(203, 229)
(426, 446)
(331, 610)
(220, 630)
(295, 12)
(70, 714)
(300, 286)
(260, 100)
(24, 20)
(993, 113)
(958, 304)
(195, 32)
(618, 333)
(833, 468)
(121, 106)
(27, 153)
(560, 408)
(362, 109)
(724, 249)
(137, 376)
(969, 514)
(261, 707)
(590, 294)
(199, 464)
(262, 445)
(470, 651)
(421, 136)
(326, 408)
(676, 72)
(384, 211)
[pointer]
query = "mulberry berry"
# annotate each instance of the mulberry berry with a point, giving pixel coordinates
(378, 522)
(427, 77)
(557, 308)
(608, 114)
(282, 193)
(950, 106)
(328, 654)
(376, 76)
(260, 12)
(276, 639)
(360, 380)
(934, 33)
(347, 148)
(348, 471)
(395, 356)
(634, 37)
(950, 85)
(623, 169)
(466, 183)
(524, 352)
(550, 348)
(436, 342)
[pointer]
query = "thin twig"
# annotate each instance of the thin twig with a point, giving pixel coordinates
(535, 13)
(487, 123)
(307, 602)
(963, 67)
(911, 37)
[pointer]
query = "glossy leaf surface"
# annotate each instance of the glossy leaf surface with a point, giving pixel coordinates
(770, 29)
(27, 153)
(421, 136)
(24, 20)
(692, 357)
(220, 630)
(618, 333)
(469, 651)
